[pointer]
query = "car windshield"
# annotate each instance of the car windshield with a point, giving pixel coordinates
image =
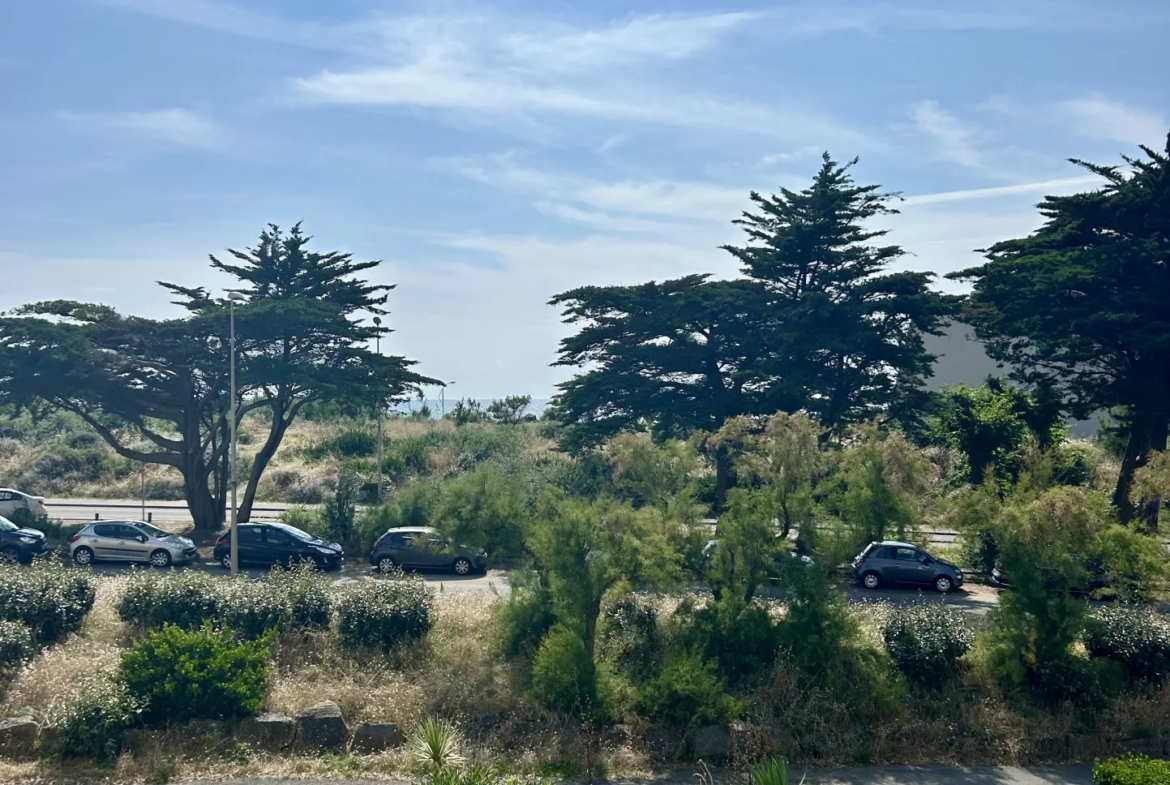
(294, 531)
(7, 525)
(153, 531)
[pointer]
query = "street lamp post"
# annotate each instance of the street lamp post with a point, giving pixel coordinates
(443, 399)
(233, 298)
(378, 345)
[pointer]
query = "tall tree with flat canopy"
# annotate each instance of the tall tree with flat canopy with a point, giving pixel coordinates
(818, 325)
(840, 329)
(1083, 304)
(301, 338)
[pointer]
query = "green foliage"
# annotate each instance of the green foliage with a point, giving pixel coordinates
(817, 633)
(95, 722)
(484, 509)
(49, 599)
(882, 482)
(466, 411)
(434, 745)
(1131, 769)
(973, 512)
(747, 544)
(645, 473)
(305, 519)
(380, 614)
(630, 635)
(307, 597)
(564, 677)
(186, 599)
(412, 505)
(926, 641)
(350, 443)
(1137, 637)
(509, 410)
(1075, 680)
(340, 509)
(989, 424)
(1134, 563)
(686, 691)
(16, 644)
(181, 675)
(773, 772)
(249, 608)
(1081, 304)
(525, 616)
(740, 639)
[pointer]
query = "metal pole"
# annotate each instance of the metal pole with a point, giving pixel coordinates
(378, 342)
(232, 457)
(143, 471)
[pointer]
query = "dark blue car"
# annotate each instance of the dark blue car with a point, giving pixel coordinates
(20, 545)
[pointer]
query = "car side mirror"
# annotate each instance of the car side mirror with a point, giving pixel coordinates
(142, 538)
(927, 560)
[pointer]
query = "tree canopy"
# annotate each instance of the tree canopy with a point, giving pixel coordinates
(1081, 305)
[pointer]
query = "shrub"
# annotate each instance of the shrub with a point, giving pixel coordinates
(686, 691)
(525, 616)
(434, 745)
(630, 635)
(484, 509)
(563, 677)
(186, 599)
(305, 519)
(250, 608)
(339, 510)
(927, 640)
(306, 595)
(1136, 637)
(1131, 770)
(380, 614)
(1072, 680)
(94, 724)
(183, 675)
(49, 599)
(742, 640)
(817, 631)
(16, 644)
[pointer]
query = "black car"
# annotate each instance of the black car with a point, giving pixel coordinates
(268, 544)
(20, 545)
(892, 562)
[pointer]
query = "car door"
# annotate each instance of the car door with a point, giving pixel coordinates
(135, 544)
(881, 560)
(911, 566)
(280, 547)
(251, 543)
(436, 552)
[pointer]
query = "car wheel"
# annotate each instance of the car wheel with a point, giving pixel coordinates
(11, 555)
(226, 561)
(83, 556)
(871, 580)
(462, 566)
(386, 565)
(160, 558)
(943, 583)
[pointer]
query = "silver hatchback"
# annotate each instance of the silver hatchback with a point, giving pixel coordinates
(133, 541)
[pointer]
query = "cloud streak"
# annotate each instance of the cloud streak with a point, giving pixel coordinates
(175, 126)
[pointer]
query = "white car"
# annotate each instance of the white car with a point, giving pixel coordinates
(11, 501)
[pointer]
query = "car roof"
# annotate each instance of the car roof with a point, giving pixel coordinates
(899, 544)
(413, 530)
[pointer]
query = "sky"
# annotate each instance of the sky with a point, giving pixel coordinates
(495, 154)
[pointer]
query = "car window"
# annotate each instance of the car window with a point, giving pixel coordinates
(277, 537)
(7, 525)
(5, 496)
(883, 553)
(908, 554)
(401, 541)
(128, 532)
(152, 531)
(249, 534)
(291, 531)
(105, 530)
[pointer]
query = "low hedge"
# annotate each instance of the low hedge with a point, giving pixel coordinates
(1131, 770)
(927, 640)
(380, 614)
(186, 599)
(16, 643)
(1136, 637)
(50, 600)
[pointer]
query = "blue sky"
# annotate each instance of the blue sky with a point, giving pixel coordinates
(496, 154)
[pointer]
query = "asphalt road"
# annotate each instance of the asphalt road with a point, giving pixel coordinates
(877, 775)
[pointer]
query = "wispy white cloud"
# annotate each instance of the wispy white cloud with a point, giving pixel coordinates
(1104, 118)
(952, 140)
(175, 126)
(1045, 187)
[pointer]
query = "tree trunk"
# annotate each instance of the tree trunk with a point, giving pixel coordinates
(204, 511)
(275, 437)
(1147, 433)
(591, 616)
(722, 477)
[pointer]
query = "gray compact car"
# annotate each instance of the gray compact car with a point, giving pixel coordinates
(133, 541)
(891, 562)
(424, 548)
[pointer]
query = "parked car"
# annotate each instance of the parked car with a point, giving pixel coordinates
(11, 501)
(424, 547)
(801, 560)
(1097, 578)
(268, 544)
(134, 541)
(893, 562)
(20, 545)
